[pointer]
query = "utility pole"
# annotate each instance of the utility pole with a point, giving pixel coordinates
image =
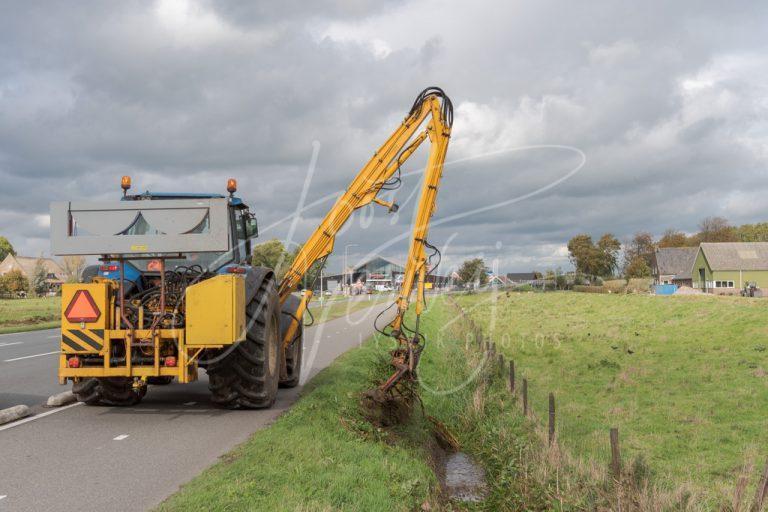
(346, 267)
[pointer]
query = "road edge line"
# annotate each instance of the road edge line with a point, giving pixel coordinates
(38, 416)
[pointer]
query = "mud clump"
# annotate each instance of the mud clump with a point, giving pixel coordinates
(386, 409)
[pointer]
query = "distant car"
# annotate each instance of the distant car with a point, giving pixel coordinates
(328, 293)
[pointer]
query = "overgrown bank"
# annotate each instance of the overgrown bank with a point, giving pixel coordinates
(324, 455)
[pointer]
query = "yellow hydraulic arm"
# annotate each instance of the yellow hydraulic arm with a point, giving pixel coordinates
(432, 104)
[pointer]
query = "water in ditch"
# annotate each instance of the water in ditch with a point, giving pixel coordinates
(464, 480)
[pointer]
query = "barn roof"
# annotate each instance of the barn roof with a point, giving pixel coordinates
(736, 255)
(676, 261)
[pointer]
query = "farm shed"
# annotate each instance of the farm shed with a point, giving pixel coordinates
(672, 265)
(726, 267)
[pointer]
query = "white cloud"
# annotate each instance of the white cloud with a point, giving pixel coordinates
(613, 53)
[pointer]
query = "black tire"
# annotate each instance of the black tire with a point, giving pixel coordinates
(246, 375)
(112, 391)
(160, 381)
(291, 373)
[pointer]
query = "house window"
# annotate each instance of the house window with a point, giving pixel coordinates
(723, 284)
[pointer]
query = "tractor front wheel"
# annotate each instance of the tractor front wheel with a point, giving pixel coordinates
(246, 375)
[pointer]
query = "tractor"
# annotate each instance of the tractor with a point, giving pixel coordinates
(174, 290)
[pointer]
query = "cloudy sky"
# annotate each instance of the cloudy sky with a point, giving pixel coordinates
(569, 116)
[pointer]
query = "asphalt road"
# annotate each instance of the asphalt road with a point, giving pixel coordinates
(108, 458)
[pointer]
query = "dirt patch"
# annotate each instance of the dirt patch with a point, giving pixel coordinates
(384, 409)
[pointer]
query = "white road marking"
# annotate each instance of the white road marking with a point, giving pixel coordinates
(27, 332)
(190, 403)
(120, 437)
(58, 336)
(28, 357)
(12, 343)
(38, 416)
(3, 496)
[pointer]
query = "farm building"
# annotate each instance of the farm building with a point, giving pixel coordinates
(522, 277)
(672, 265)
(376, 272)
(26, 265)
(726, 267)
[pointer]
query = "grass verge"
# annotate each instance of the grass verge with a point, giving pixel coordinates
(19, 315)
(320, 455)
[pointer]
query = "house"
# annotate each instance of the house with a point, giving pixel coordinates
(376, 273)
(26, 265)
(673, 265)
(522, 277)
(726, 267)
(498, 281)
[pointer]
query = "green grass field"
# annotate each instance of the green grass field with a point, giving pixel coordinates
(684, 378)
(28, 314)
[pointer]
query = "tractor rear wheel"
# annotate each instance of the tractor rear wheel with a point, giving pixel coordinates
(246, 376)
(291, 373)
(114, 391)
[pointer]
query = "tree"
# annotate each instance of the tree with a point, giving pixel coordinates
(272, 254)
(14, 282)
(472, 271)
(39, 284)
(753, 232)
(312, 275)
(608, 258)
(73, 266)
(638, 267)
(673, 238)
(716, 229)
(594, 260)
(641, 246)
(5, 248)
(583, 254)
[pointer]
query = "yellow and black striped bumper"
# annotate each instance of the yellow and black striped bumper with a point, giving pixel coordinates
(82, 341)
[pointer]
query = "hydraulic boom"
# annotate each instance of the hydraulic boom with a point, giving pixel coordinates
(435, 108)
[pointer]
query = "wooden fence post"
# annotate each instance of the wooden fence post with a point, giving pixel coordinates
(615, 454)
(501, 364)
(762, 491)
(512, 376)
(551, 418)
(525, 397)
